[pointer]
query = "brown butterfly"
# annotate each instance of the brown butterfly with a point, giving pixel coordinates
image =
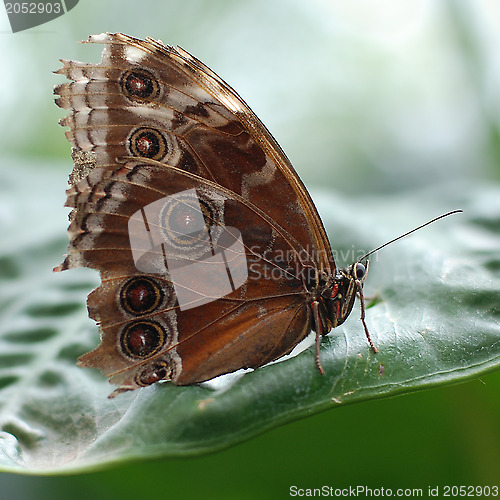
(211, 252)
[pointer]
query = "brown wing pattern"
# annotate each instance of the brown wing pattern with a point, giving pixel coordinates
(165, 142)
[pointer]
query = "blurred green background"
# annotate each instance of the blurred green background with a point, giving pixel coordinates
(366, 98)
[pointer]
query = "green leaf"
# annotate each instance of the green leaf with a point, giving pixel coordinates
(434, 318)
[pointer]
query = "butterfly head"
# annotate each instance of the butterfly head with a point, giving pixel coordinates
(340, 295)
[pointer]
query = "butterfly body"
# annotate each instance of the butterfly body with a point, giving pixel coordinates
(211, 253)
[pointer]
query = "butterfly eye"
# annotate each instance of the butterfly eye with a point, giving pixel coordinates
(359, 270)
(142, 339)
(147, 143)
(141, 295)
(139, 84)
(158, 371)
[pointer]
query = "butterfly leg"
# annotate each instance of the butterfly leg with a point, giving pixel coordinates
(362, 303)
(319, 331)
(370, 298)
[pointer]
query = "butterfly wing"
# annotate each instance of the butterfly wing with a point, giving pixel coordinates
(206, 240)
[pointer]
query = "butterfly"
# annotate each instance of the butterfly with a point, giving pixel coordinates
(211, 253)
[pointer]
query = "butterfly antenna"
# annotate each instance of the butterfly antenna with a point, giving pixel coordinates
(409, 232)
